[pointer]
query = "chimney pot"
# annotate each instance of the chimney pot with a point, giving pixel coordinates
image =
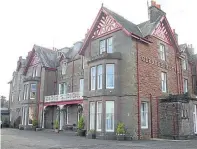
(153, 3)
(159, 6)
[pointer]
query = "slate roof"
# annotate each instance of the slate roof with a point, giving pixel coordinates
(47, 56)
(131, 27)
(142, 30)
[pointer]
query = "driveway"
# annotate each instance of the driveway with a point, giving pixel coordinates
(20, 139)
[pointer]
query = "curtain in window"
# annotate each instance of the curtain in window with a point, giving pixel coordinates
(109, 115)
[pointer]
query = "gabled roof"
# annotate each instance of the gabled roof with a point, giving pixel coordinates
(47, 57)
(128, 27)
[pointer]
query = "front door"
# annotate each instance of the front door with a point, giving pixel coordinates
(195, 119)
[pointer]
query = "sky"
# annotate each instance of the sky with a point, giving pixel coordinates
(60, 23)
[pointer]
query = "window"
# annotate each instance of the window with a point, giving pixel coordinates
(34, 73)
(33, 91)
(110, 76)
(99, 77)
(144, 115)
(82, 62)
(102, 46)
(162, 52)
(163, 82)
(109, 45)
(25, 92)
(184, 64)
(110, 116)
(92, 115)
(81, 85)
(64, 66)
(99, 115)
(31, 115)
(93, 78)
(62, 88)
(19, 98)
(13, 81)
(185, 85)
(12, 97)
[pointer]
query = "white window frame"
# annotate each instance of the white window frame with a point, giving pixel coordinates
(102, 46)
(81, 86)
(185, 85)
(164, 82)
(92, 115)
(32, 91)
(99, 116)
(108, 112)
(26, 89)
(62, 91)
(93, 78)
(99, 76)
(162, 52)
(144, 111)
(110, 44)
(108, 66)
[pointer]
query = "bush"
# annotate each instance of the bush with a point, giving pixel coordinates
(56, 124)
(81, 123)
(120, 129)
(35, 122)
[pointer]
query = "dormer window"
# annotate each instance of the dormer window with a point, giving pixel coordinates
(106, 45)
(34, 74)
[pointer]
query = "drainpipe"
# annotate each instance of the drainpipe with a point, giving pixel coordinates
(176, 76)
(151, 116)
(138, 91)
(38, 101)
(157, 100)
(72, 76)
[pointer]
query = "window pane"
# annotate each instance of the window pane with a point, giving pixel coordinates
(99, 115)
(92, 115)
(93, 78)
(162, 52)
(81, 85)
(102, 46)
(31, 115)
(144, 115)
(163, 82)
(109, 45)
(185, 85)
(99, 77)
(109, 115)
(110, 76)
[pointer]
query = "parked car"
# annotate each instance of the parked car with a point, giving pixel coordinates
(1, 124)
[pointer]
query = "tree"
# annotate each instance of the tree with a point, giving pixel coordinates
(4, 102)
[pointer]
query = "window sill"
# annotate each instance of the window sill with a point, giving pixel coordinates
(144, 127)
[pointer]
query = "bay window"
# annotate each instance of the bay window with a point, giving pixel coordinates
(164, 82)
(99, 115)
(109, 123)
(109, 76)
(93, 78)
(99, 76)
(33, 91)
(144, 115)
(92, 115)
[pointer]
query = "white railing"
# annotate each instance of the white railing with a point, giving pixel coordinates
(64, 97)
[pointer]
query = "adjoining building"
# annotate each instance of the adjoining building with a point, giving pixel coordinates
(137, 74)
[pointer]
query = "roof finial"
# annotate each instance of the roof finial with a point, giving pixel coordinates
(102, 5)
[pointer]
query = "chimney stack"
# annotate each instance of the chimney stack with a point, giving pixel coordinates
(155, 11)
